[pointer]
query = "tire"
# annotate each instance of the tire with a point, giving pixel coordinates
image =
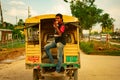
(76, 75)
(35, 74)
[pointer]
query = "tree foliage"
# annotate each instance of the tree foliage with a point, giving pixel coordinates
(86, 12)
(15, 32)
(106, 21)
(20, 22)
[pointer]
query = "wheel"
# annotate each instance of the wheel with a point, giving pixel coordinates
(76, 74)
(35, 74)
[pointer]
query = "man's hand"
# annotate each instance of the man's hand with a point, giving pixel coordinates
(55, 24)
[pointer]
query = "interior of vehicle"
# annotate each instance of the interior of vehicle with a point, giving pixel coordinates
(47, 32)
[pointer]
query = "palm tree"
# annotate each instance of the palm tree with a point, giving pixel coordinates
(106, 22)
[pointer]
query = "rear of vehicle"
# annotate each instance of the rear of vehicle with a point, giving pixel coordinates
(39, 31)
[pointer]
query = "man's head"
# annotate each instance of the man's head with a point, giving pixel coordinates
(59, 18)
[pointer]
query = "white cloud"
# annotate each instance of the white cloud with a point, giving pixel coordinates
(14, 2)
(16, 12)
(20, 9)
(22, 13)
(114, 11)
(33, 12)
(16, 8)
(60, 8)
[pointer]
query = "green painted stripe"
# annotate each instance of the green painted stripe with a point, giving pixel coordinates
(54, 65)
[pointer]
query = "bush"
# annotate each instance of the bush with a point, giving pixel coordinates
(87, 47)
(99, 48)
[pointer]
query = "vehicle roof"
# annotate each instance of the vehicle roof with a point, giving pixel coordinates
(37, 19)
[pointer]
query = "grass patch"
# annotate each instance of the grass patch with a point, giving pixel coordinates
(86, 47)
(13, 44)
(19, 45)
(12, 49)
(100, 48)
(115, 40)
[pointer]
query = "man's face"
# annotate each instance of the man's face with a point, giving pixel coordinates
(58, 19)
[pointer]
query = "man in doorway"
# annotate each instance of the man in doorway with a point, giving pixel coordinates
(59, 42)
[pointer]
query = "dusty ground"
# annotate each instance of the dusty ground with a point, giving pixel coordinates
(95, 67)
(92, 68)
(11, 53)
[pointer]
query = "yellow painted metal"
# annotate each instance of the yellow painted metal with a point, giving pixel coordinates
(33, 58)
(33, 46)
(70, 50)
(40, 42)
(78, 37)
(71, 54)
(33, 49)
(37, 19)
(33, 54)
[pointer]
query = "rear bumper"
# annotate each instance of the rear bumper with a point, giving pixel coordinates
(64, 65)
(51, 75)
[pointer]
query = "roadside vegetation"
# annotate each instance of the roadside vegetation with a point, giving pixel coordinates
(100, 48)
(12, 50)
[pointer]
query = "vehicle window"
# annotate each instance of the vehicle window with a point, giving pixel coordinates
(68, 38)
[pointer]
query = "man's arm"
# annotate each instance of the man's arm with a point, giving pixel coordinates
(58, 31)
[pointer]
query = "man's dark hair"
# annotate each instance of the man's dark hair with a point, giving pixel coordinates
(60, 15)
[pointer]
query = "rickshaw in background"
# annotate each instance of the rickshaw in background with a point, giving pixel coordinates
(38, 32)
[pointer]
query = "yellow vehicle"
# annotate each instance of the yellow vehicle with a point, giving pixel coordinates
(39, 31)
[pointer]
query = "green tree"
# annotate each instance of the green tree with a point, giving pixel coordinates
(20, 22)
(9, 26)
(89, 2)
(19, 27)
(106, 22)
(87, 13)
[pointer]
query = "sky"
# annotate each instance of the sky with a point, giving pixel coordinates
(13, 10)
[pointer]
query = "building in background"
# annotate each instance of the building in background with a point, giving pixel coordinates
(5, 35)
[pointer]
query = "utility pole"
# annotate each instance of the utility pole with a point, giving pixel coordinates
(29, 12)
(16, 20)
(1, 14)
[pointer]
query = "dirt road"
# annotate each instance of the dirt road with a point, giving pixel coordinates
(15, 71)
(92, 68)
(99, 67)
